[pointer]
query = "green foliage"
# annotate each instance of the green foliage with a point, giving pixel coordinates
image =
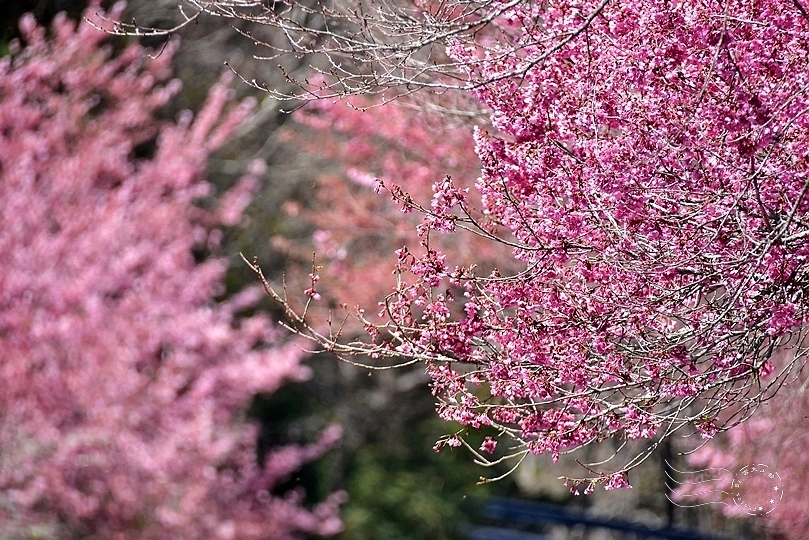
(399, 488)
(404, 490)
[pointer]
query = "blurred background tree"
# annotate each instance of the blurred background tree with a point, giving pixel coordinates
(126, 384)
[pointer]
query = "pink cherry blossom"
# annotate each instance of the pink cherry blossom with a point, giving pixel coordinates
(125, 383)
(642, 165)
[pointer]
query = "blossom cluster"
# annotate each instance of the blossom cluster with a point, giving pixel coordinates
(649, 175)
(644, 165)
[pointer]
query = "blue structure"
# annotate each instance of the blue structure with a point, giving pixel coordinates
(514, 512)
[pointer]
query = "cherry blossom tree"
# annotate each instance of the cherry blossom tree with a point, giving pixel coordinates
(643, 163)
(125, 381)
(644, 167)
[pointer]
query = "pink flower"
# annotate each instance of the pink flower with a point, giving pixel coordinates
(124, 380)
(617, 481)
(488, 445)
